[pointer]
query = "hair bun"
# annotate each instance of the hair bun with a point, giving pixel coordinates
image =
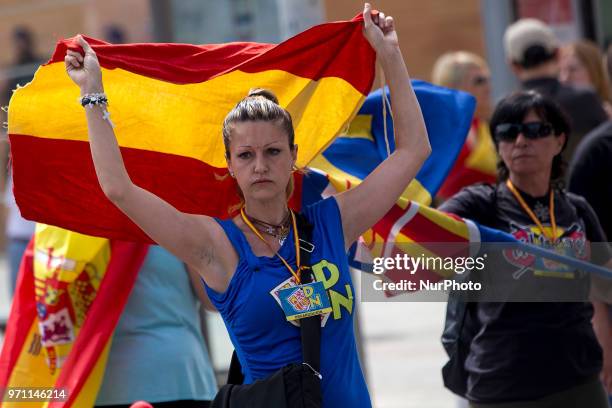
(262, 93)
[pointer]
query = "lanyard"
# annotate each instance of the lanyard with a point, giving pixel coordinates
(551, 211)
(296, 242)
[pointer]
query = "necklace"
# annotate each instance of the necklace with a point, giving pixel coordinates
(296, 273)
(534, 218)
(280, 231)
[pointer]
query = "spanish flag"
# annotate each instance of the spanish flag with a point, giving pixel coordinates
(71, 291)
(168, 102)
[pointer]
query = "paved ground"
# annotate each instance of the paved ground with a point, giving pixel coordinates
(403, 353)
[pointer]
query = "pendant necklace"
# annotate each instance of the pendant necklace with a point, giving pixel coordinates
(280, 231)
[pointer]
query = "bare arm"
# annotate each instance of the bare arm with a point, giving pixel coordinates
(193, 239)
(386, 183)
(601, 288)
(603, 330)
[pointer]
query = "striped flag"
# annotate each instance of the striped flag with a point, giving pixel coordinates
(168, 102)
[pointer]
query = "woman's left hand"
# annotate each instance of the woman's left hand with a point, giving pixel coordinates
(379, 29)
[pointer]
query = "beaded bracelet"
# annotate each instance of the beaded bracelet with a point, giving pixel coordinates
(92, 99)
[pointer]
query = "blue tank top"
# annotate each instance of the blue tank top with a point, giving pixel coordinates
(264, 340)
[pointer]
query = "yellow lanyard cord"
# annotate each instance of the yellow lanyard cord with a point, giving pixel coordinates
(551, 211)
(295, 237)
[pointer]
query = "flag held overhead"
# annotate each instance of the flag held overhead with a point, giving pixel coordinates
(168, 102)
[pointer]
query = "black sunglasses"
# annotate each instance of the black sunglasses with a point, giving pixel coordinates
(508, 132)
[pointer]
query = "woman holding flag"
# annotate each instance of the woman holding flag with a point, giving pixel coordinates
(245, 261)
(545, 353)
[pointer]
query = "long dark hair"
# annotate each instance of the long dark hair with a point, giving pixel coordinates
(514, 108)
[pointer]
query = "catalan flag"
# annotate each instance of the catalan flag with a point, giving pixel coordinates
(168, 102)
(69, 296)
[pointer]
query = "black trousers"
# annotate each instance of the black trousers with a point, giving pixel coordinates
(588, 395)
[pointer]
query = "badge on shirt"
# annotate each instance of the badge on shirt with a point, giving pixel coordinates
(309, 299)
(290, 282)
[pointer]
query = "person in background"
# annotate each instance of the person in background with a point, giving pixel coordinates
(532, 51)
(18, 230)
(158, 353)
(582, 66)
(476, 162)
(592, 162)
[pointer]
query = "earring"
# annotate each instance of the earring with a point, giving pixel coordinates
(231, 174)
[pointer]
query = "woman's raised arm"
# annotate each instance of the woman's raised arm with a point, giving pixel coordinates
(194, 239)
(362, 206)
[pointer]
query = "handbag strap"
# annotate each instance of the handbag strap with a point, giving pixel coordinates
(310, 327)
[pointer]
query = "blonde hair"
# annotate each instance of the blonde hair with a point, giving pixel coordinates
(259, 105)
(451, 68)
(592, 58)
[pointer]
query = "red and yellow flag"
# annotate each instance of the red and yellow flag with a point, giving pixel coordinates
(71, 291)
(168, 102)
(476, 163)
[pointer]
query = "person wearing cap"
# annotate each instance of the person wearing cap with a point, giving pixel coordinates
(532, 51)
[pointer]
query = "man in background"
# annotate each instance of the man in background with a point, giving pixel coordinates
(532, 51)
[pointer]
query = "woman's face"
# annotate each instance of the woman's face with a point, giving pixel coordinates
(477, 82)
(573, 72)
(260, 159)
(525, 157)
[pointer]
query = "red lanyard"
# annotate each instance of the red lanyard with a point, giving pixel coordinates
(551, 211)
(296, 242)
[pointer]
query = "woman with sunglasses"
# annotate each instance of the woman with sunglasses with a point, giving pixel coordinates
(537, 354)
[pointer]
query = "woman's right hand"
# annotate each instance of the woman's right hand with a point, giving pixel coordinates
(84, 70)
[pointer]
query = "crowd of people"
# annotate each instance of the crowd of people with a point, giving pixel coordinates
(534, 165)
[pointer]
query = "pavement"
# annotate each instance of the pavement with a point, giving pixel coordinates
(403, 353)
